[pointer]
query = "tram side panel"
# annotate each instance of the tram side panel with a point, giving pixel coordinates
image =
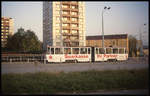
(109, 54)
(63, 57)
(55, 58)
(122, 57)
(78, 57)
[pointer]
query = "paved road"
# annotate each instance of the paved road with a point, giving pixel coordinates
(16, 67)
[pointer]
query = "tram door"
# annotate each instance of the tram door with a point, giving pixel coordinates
(93, 54)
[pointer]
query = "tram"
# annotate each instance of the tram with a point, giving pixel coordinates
(85, 54)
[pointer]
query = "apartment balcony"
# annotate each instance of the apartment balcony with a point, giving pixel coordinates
(74, 15)
(74, 3)
(66, 40)
(75, 28)
(66, 27)
(74, 34)
(66, 9)
(70, 40)
(66, 21)
(70, 34)
(75, 40)
(66, 15)
(66, 33)
(76, 22)
(75, 9)
(66, 3)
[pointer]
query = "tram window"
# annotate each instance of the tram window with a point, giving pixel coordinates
(88, 50)
(75, 50)
(48, 50)
(58, 51)
(115, 51)
(83, 50)
(52, 50)
(96, 50)
(121, 51)
(67, 50)
(108, 51)
(101, 51)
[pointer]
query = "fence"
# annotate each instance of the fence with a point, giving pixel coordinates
(23, 58)
(41, 58)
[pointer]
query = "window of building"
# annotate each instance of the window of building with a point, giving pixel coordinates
(74, 19)
(57, 18)
(65, 12)
(64, 18)
(74, 25)
(57, 24)
(81, 37)
(74, 31)
(65, 24)
(64, 31)
(74, 13)
(57, 5)
(65, 6)
(57, 12)
(57, 32)
(57, 36)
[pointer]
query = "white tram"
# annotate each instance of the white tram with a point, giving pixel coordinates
(85, 54)
(109, 53)
(63, 54)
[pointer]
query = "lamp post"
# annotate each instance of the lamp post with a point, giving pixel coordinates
(105, 8)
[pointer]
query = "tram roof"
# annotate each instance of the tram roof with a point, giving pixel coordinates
(82, 47)
(99, 37)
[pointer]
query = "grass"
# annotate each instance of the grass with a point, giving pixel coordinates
(42, 82)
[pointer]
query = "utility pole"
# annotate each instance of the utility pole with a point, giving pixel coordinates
(105, 8)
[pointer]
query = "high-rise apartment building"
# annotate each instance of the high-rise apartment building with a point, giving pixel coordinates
(7, 28)
(64, 23)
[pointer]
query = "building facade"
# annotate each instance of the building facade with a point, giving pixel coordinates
(118, 40)
(7, 28)
(63, 23)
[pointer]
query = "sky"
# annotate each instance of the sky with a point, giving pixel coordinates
(123, 17)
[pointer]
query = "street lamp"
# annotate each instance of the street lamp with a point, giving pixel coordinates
(105, 8)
